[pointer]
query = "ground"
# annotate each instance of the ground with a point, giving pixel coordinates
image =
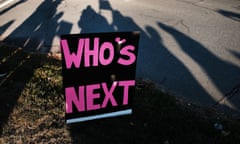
(32, 110)
(189, 47)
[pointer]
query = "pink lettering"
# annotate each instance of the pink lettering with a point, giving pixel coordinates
(126, 85)
(93, 53)
(72, 58)
(126, 51)
(85, 99)
(91, 96)
(109, 94)
(106, 46)
(92, 57)
(119, 41)
(71, 97)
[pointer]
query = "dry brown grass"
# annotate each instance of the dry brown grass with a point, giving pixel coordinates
(32, 111)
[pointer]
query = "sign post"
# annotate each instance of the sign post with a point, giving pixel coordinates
(98, 74)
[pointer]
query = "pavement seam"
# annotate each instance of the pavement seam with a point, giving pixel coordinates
(196, 4)
(181, 22)
(228, 95)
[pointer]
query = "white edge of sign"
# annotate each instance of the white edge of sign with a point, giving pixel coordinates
(100, 116)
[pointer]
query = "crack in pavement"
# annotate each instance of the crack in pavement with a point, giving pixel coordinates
(184, 25)
(191, 2)
(196, 4)
(229, 95)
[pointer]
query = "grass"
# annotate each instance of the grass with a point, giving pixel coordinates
(32, 111)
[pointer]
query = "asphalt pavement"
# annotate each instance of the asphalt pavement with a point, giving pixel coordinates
(190, 48)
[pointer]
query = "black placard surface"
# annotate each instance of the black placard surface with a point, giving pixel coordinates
(98, 74)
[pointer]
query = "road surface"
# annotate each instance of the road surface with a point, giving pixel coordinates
(190, 48)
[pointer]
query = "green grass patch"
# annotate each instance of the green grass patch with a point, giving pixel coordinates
(32, 111)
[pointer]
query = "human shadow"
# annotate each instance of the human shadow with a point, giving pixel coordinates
(4, 27)
(104, 5)
(91, 22)
(235, 53)
(154, 62)
(101, 131)
(173, 73)
(37, 32)
(18, 67)
(223, 74)
(229, 14)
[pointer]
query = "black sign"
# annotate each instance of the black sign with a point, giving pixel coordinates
(98, 74)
